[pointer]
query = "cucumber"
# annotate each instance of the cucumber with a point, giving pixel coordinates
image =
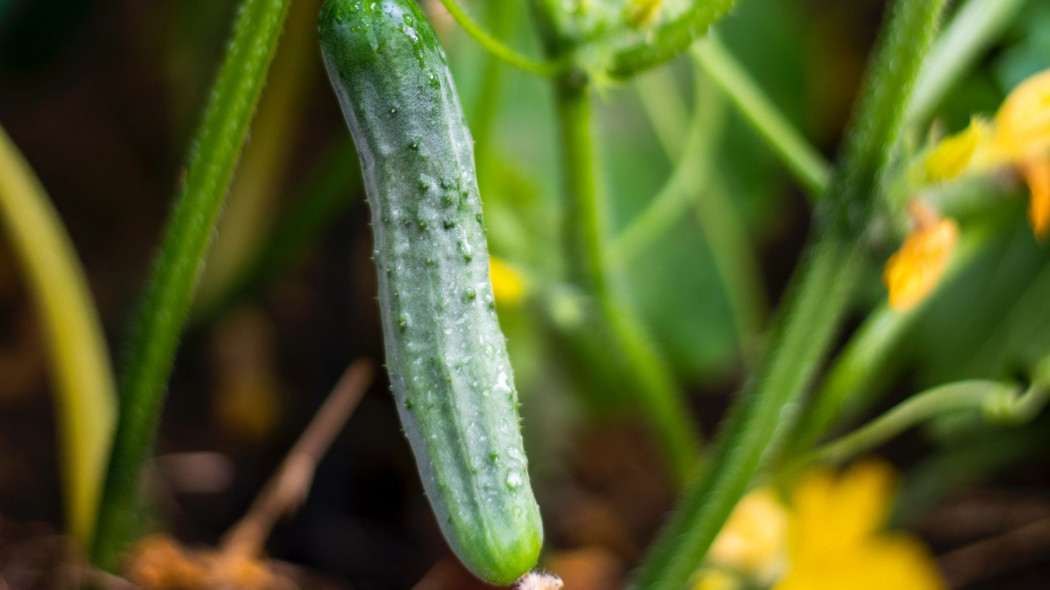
(445, 353)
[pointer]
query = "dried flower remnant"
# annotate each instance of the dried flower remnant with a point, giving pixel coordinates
(539, 581)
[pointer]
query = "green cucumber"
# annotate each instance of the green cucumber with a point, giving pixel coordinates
(445, 353)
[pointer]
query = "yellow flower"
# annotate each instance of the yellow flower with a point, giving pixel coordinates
(1019, 136)
(1022, 125)
(916, 269)
(1037, 173)
(830, 538)
(949, 158)
(835, 539)
(753, 539)
(508, 284)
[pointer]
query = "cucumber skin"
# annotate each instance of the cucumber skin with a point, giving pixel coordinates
(445, 353)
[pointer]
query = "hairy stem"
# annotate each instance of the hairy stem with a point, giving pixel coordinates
(864, 364)
(822, 290)
(975, 26)
(217, 147)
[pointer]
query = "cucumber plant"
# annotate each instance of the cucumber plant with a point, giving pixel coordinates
(446, 355)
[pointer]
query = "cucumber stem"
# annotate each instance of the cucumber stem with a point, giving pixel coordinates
(585, 226)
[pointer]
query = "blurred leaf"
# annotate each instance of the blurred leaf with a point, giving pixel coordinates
(1031, 53)
(675, 282)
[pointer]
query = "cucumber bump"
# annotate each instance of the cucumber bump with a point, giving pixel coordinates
(445, 353)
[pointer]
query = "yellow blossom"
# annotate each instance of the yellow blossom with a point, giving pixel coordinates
(916, 269)
(508, 284)
(1019, 136)
(949, 158)
(835, 539)
(830, 537)
(713, 579)
(753, 539)
(1037, 173)
(1022, 125)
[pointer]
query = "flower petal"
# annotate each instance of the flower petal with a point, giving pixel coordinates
(913, 272)
(1037, 173)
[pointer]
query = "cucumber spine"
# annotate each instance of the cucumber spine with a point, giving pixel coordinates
(445, 353)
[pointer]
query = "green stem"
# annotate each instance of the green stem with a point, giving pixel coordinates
(327, 191)
(1000, 402)
(86, 401)
(497, 48)
(760, 415)
(666, 110)
(733, 256)
(656, 46)
(211, 165)
(585, 216)
(254, 197)
(585, 230)
(946, 399)
(822, 290)
(735, 260)
(879, 120)
(690, 176)
(800, 157)
(863, 365)
(975, 26)
(486, 107)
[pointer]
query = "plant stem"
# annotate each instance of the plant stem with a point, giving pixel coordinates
(822, 290)
(328, 190)
(800, 157)
(764, 409)
(691, 175)
(220, 139)
(975, 26)
(585, 222)
(667, 40)
(666, 110)
(254, 197)
(86, 401)
(486, 107)
(999, 401)
(879, 120)
(863, 365)
(496, 47)
(734, 259)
